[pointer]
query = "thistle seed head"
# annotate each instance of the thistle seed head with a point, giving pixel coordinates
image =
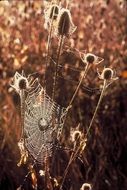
(54, 12)
(90, 58)
(64, 24)
(22, 83)
(107, 74)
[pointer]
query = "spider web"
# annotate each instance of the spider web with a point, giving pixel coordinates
(43, 122)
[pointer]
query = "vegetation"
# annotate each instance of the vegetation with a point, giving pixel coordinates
(63, 95)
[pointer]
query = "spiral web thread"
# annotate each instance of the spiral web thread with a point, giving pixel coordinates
(43, 122)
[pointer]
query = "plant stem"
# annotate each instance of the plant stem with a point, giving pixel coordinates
(98, 104)
(48, 50)
(56, 67)
(22, 97)
(80, 82)
(76, 91)
(74, 154)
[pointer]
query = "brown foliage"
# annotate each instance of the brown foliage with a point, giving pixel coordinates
(101, 29)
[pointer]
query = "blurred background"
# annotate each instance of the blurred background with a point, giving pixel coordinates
(101, 30)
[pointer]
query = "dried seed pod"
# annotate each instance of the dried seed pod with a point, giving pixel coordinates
(108, 74)
(54, 11)
(20, 82)
(65, 24)
(23, 83)
(90, 58)
(51, 14)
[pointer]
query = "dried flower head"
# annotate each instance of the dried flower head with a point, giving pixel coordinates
(86, 186)
(23, 83)
(51, 14)
(54, 11)
(90, 58)
(20, 82)
(107, 74)
(65, 24)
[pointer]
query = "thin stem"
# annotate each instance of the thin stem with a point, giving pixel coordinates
(66, 171)
(56, 67)
(98, 104)
(49, 39)
(74, 154)
(22, 97)
(76, 91)
(48, 49)
(80, 82)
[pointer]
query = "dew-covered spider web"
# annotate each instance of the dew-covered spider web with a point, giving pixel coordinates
(43, 121)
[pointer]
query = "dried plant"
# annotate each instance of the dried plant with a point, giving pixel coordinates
(108, 77)
(48, 140)
(80, 140)
(21, 84)
(51, 15)
(39, 113)
(88, 60)
(65, 28)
